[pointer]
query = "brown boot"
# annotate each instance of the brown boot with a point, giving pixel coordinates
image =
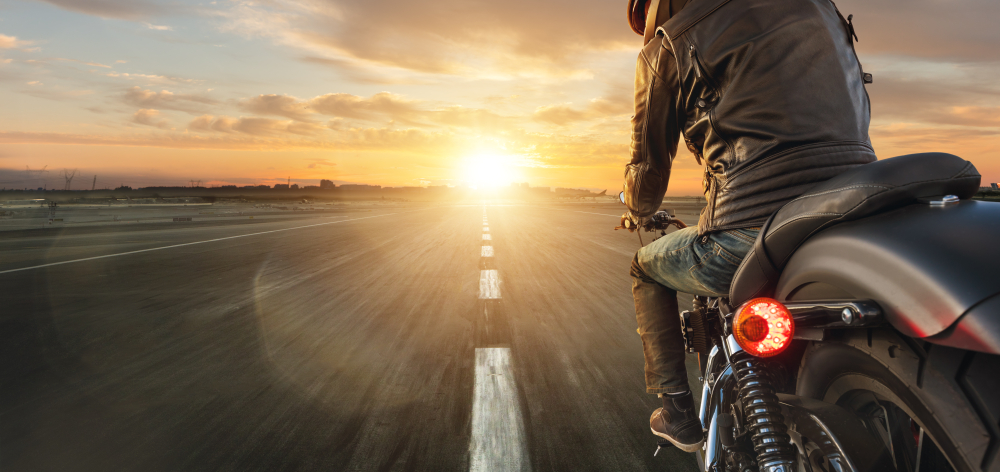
(678, 423)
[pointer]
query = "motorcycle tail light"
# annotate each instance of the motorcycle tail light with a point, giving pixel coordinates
(763, 327)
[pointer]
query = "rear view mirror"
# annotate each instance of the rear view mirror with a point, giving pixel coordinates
(621, 196)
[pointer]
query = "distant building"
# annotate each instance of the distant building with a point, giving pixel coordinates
(294, 186)
(360, 188)
(326, 184)
(281, 186)
(995, 186)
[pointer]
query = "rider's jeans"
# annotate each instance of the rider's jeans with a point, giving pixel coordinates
(679, 262)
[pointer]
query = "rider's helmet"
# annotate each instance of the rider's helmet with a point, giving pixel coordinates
(661, 10)
(637, 16)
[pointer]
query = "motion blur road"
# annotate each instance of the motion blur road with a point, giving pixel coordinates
(480, 337)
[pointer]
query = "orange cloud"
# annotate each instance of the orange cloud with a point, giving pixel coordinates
(253, 126)
(149, 117)
(11, 42)
(165, 99)
(470, 37)
(281, 105)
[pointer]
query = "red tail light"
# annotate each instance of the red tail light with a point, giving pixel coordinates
(763, 327)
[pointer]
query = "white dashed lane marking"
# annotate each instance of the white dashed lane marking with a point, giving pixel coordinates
(489, 285)
(486, 237)
(486, 229)
(487, 251)
(498, 439)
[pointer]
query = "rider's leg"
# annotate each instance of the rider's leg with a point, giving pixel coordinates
(658, 270)
(680, 261)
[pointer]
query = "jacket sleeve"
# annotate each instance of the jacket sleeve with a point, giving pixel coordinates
(655, 129)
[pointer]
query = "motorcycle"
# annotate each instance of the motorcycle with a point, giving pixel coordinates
(861, 332)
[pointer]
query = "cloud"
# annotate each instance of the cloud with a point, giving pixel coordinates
(935, 94)
(165, 99)
(11, 42)
(927, 28)
(558, 114)
(162, 79)
(158, 27)
(149, 117)
(320, 163)
(280, 105)
(467, 37)
(119, 9)
(379, 105)
(92, 64)
(565, 114)
(253, 126)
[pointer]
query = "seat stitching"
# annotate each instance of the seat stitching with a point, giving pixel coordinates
(967, 165)
(799, 217)
(840, 189)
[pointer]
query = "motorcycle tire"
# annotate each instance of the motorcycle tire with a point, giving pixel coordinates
(908, 391)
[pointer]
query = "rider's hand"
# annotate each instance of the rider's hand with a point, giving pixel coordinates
(630, 222)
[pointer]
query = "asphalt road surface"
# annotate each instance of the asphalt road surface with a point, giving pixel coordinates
(486, 336)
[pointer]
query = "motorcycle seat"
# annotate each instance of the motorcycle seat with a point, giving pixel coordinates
(863, 191)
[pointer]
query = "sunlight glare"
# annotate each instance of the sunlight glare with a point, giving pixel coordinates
(488, 170)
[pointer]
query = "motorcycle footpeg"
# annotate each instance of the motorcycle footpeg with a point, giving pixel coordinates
(661, 445)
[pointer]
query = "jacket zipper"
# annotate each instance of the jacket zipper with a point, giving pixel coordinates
(699, 73)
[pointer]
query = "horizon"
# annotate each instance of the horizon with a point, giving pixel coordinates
(419, 93)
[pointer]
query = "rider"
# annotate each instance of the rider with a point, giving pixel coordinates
(770, 96)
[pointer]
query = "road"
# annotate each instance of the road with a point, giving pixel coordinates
(381, 340)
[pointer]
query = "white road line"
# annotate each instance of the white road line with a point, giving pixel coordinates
(498, 439)
(486, 237)
(487, 251)
(486, 229)
(602, 214)
(489, 285)
(185, 244)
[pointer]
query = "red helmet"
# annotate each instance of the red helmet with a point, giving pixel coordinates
(637, 16)
(661, 9)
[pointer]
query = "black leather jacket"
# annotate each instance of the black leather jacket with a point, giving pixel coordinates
(768, 93)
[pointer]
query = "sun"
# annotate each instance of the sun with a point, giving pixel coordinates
(488, 170)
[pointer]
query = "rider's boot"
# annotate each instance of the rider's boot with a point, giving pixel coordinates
(678, 422)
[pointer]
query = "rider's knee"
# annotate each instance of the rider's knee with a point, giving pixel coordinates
(637, 272)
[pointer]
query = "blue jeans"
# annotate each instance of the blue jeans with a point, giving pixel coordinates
(680, 262)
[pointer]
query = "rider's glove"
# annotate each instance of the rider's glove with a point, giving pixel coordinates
(630, 222)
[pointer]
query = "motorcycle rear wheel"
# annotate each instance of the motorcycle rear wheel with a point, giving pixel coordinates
(936, 408)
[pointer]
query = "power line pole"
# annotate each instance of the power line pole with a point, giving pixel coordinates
(69, 177)
(94, 185)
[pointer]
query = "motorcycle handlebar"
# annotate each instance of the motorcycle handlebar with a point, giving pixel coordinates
(662, 220)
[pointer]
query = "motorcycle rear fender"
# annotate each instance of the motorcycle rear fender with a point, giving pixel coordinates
(932, 269)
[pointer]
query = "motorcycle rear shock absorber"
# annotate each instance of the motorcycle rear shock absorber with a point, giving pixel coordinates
(762, 412)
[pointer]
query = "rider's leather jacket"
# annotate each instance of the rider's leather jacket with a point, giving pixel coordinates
(769, 94)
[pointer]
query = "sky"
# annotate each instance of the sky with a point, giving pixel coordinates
(414, 92)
